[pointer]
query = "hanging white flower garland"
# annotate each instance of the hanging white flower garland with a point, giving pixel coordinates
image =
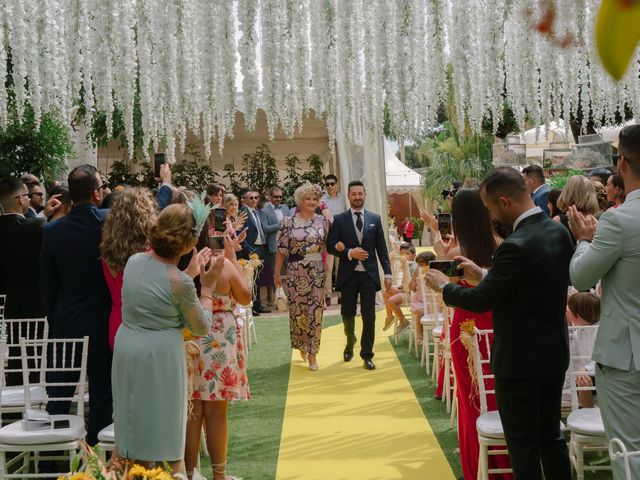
(345, 59)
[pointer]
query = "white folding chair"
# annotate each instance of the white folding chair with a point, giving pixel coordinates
(431, 319)
(12, 399)
(585, 424)
(488, 424)
(51, 358)
(618, 451)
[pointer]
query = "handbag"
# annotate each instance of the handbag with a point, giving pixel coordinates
(281, 300)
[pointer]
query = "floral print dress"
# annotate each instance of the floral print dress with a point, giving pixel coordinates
(302, 242)
(221, 373)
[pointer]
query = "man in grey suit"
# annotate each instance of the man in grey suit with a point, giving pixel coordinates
(610, 250)
(271, 216)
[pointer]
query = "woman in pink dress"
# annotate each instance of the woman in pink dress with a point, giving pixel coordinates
(125, 232)
(477, 241)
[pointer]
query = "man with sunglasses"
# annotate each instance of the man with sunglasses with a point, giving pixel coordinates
(36, 195)
(337, 204)
(609, 250)
(271, 215)
(255, 242)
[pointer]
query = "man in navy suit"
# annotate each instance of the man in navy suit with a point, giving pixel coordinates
(357, 238)
(255, 242)
(534, 180)
(75, 292)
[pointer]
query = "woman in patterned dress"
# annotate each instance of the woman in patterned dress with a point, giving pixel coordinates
(221, 373)
(301, 240)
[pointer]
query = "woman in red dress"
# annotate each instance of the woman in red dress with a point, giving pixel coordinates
(124, 233)
(477, 241)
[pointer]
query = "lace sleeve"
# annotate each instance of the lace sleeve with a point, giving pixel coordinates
(196, 319)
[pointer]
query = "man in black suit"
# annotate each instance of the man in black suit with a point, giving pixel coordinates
(75, 291)
(255, 242)
(526, 289)
(20, 242)
(357, 238)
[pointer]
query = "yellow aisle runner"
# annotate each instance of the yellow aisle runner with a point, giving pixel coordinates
(344, 422)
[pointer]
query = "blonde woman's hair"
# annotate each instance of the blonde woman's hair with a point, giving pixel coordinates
(126, 228)
(306, 190)
(579, 192)
(228, 198)
(172, 231)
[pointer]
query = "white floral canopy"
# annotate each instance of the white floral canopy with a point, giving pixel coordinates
(346, 58)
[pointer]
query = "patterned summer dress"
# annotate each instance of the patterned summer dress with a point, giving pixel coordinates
(221, 373)
(302, 242)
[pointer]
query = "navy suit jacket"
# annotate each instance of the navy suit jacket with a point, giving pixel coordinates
(249, 244)
(71, 277)
(343, 230)
(540, 198)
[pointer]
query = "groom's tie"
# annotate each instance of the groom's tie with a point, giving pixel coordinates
(359, 221)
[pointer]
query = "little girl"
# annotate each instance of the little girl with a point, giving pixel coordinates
(583, 309)
(417, 305)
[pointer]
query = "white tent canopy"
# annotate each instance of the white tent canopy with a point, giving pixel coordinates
(399, 177)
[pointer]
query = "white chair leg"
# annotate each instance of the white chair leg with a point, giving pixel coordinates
(203, 443)
(447, 384)
(254, 336)
(579, 461)
(483, 463)
(454, 409)
(435, 371)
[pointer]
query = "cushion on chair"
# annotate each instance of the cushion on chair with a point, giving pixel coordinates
(586, 421)
(15, 434)
(107, 434)
(489, 425)
(429, 320)
(437, 332)
(14, 396)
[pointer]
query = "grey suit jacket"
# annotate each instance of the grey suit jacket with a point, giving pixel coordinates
(614, 257)
(270, 223)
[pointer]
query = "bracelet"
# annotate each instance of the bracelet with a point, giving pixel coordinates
(206, 296)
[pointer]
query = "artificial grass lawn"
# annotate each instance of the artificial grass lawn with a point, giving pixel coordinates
(255, 426)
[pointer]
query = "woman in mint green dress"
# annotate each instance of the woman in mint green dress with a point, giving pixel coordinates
(149, 374)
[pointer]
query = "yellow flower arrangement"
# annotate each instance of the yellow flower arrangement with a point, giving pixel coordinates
(467, 330)
(187, 335)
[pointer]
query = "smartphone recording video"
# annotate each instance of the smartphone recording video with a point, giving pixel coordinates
(220, 220)
(444, 224)
(451, 268)
(216, 242)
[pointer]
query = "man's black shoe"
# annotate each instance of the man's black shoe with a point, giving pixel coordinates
(264, 310)
(256, 313)
(368, 364)
(347, 356)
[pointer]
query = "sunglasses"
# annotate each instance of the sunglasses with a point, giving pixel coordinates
(23, 195)
(32, 194)
(103, 186)
(253, 198)
(329, 184)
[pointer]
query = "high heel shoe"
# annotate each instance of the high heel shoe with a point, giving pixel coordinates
(313, 367)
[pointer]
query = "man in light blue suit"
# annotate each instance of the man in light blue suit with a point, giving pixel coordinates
(610, 250)
(536, 186)
(271, 215)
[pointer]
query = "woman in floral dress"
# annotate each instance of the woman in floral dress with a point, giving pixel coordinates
(221, 372)
(301, 240)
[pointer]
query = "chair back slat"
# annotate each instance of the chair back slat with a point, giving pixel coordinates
(15, 329)
(482, 337)
(576, 362)
(62, 364)
(3, 299)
